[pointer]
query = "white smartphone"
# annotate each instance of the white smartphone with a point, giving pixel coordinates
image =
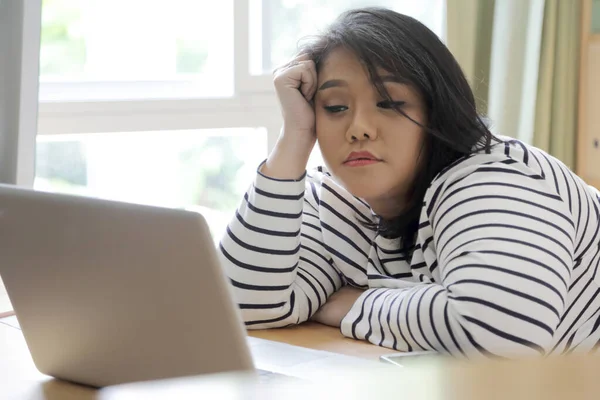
(409, 358)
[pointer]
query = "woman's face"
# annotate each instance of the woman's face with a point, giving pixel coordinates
(372, 150)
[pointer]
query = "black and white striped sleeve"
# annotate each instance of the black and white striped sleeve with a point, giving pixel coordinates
(273, 254)
(504, 246)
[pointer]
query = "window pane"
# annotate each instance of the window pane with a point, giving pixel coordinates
(204, 170)
(138, 40)
(276, 26)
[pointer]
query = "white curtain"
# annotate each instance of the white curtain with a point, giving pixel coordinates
(515, 59)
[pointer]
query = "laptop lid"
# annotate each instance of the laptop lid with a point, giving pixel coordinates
(109, 292)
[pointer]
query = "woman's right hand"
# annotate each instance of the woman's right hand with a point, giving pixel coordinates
(295, 85)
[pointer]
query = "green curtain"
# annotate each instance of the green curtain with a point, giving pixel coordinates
(555, 129)
(469, 27)
(596, 16)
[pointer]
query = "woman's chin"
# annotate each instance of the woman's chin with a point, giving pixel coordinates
(362, 190)
(375, 194)
(364, 186)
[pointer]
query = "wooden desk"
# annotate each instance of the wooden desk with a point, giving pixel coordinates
(321, 337)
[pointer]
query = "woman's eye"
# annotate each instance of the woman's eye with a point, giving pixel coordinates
(335, 109)
(390, 104)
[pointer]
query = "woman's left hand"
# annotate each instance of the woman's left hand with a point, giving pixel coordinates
(337, 306)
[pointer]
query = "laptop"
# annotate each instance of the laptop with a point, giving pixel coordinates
(109, 292)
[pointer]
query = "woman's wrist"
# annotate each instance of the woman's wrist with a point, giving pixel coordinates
(288, 159)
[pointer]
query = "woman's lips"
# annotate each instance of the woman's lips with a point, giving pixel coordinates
(361, 159)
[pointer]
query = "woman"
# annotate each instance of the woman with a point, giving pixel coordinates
(424, 231)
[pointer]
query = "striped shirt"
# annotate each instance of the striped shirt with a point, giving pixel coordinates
(505, 261)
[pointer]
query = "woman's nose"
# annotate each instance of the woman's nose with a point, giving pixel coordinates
(363, 136)
(362, 128)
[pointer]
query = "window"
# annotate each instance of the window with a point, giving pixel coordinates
(148, 49)
(126, 83)
(278, 26)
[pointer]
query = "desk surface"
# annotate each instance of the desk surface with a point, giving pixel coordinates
(321, 337)
(574, 377)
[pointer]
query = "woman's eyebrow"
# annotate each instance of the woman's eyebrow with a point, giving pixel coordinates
(333, 83)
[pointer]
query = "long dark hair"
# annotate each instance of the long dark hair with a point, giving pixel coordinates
(405, 47)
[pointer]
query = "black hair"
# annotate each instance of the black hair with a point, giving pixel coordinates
(406, 48)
